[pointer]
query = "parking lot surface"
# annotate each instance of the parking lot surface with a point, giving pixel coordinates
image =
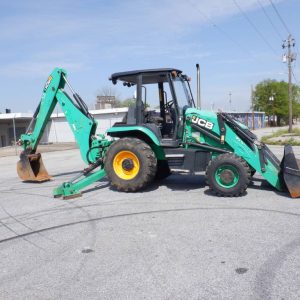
(175, 240)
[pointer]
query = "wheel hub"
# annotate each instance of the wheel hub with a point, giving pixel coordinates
(127, 164)
(227, 176)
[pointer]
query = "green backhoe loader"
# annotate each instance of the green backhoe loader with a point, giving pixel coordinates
(148, 144)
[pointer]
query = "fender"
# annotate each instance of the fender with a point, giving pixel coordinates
(120, 131)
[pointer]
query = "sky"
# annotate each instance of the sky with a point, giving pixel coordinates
(236, 42)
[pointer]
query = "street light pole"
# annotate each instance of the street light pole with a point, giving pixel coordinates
(271, 99)
(252, 107)
(15, 135)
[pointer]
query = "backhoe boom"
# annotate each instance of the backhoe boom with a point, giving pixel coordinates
(83, 125)
(80, 121)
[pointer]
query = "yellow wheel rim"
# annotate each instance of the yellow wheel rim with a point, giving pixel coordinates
(126, 165)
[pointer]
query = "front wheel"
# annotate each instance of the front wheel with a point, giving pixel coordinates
(228, 175)
(130, 164)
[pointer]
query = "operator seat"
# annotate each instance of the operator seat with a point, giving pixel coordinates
(131, 115)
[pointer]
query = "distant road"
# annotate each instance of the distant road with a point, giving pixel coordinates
(269, 130)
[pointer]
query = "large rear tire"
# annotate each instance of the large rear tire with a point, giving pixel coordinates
(228, 175)
(130, 164)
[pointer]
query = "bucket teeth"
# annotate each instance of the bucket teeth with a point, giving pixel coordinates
(290, 167)
(30, 167)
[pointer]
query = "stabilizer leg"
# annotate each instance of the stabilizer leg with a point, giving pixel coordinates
(72, 188)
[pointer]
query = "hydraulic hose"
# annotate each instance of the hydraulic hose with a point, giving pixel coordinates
(34, 117)
(83, 107)
(88, 153)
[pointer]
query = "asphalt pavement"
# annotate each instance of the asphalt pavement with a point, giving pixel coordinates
(175, 240)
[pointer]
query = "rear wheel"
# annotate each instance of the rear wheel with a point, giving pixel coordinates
(228, 175)
(130, 164)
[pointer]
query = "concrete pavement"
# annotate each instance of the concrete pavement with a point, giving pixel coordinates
(173, 241)
(269, 130)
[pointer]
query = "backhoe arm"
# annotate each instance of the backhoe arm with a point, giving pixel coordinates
(31, 138)
(80, 121)
(30, 167)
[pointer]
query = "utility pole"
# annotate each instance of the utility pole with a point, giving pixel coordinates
(289, 58)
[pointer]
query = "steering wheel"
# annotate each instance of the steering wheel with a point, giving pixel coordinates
(169, 104)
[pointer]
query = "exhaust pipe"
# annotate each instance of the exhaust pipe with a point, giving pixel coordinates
(290, 167)
(198, 87)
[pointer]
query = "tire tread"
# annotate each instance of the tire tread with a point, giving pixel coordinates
(219, 160)
(146, 156)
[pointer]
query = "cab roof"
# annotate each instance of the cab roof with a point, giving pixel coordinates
(151, 75)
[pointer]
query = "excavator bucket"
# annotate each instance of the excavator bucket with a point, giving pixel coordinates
(290, 167)
(30, 167)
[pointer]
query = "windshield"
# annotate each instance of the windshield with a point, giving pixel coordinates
(190, 94)
(183, 94)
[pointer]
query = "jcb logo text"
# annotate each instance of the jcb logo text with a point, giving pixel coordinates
(202, 122)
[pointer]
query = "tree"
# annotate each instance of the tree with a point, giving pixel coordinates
(296, 101)
(127, 102)
(271, 96)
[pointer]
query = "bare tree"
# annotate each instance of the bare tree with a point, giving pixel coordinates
(108, 91)
(108, 94)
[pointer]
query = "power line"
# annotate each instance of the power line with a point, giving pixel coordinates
(222, 31)
(254, 27)
(288, 31)
(283, 22)
(296, 80)
(280, 18)
(297, 50)
(294, 65)
(270, 20)
(229, 37)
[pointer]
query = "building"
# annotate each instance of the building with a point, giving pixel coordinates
(247, 118)
(12, 125)
(104, 102)
(58, 130)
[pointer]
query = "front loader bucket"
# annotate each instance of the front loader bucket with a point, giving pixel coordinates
(290, 167)
(30, 167)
